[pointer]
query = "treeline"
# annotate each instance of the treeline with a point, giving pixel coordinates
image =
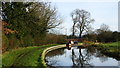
(28, 24)
(105, 37)
(104, 34)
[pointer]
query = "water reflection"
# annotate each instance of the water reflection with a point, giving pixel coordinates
(53, 56)
(80, 57)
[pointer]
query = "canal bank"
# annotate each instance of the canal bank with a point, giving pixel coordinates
(29, 56)
(48, 50)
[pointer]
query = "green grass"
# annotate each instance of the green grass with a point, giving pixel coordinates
(30, 56)
(111, 48)
(111, 44)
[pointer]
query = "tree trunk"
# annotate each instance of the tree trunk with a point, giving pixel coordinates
(80, 35)
(73, 30)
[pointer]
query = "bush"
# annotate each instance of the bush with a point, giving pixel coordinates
(13, 42)
(50, 39)
(27, 41)
(55, 39)
(5, 43)
(61, 39)
(38, 41)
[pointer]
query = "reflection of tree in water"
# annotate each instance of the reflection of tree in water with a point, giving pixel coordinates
(101, 56)
(83, 59)
(85, 55)
(73, 57)
(97, 53)
(113, 52)
(80, 57)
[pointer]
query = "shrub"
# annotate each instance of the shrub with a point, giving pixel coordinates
(13, 42)
(27, 41)
(5, 43)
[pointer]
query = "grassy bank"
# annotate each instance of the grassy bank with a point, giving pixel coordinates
(111, 44)
(110, 49)
(30, 56)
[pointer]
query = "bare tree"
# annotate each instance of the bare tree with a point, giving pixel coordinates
(75, 17)
(104, 27)
(82, 20)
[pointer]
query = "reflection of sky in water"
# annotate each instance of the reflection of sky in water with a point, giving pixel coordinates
(119, 64)
(65, 59)
(109, 62)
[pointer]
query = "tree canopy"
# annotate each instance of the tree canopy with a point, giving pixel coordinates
(28, 23)
(33, 18)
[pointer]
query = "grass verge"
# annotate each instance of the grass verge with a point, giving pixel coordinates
(30, 56)
(111, 44)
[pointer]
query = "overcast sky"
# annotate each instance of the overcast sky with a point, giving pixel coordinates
(82, 0)
(103, 11)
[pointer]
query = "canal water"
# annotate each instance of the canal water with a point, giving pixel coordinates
(78, 56)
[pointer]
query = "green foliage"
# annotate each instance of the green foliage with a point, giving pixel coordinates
(28, 41)
(5, 43)
(31, 21)
(13, 42)
(29, 18)
(14, 14)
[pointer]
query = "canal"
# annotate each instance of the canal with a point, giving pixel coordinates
(79, 57)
